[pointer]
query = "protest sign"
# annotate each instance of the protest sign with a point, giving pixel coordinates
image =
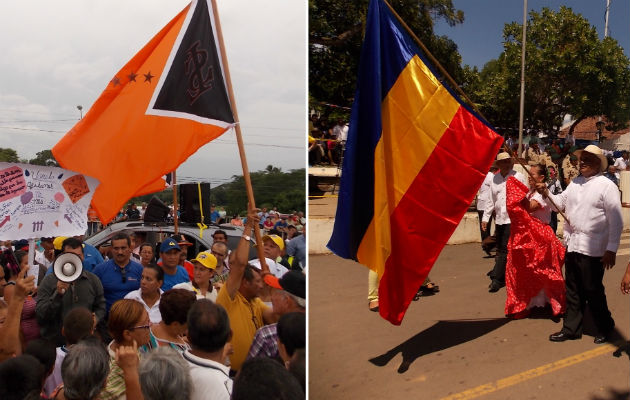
(38, 201)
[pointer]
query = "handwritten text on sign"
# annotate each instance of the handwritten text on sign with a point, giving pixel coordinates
(38, 201)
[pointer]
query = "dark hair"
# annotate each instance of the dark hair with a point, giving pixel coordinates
(174, 305)
(19, 255)
(208, 326)
(77, 325)
(158, 270)
(46, 239)
(147, 244)
(292, 331)
(121, 235)
(297, 366)
(8, 272)
(19, 376)
(249, 272)
(265, 378)
(542, 170)
(73, 243)
(44, 350)
(219, 232)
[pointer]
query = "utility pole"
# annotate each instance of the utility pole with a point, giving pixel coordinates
(522, 105)
(606, 18)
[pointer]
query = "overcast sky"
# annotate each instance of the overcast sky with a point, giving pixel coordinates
(55, 55)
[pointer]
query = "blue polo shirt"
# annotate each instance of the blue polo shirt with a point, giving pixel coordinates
(180, 276)
(111, 277)
(91, 257)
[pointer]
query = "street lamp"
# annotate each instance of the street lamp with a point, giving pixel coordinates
(600, 128)
(80, 108)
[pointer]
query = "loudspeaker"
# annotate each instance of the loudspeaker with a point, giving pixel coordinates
(68, 267)
(156, 211)
(189, 209)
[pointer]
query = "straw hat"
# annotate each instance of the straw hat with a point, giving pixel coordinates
(503, 156)
(591, 148)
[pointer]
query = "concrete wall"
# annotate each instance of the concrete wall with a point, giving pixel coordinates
(467, 231)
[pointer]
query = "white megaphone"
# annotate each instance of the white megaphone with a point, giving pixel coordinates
(68, 267)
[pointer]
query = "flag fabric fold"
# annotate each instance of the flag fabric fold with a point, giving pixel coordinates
(167, 101)
(415, 158)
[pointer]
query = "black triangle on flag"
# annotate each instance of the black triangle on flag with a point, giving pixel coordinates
(194, 82)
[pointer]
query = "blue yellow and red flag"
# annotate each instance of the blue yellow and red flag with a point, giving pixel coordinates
(415, 158)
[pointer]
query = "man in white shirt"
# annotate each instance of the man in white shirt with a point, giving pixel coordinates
(483, 201)
(497, 205)
(621, 164)
(208, 333)
(592, 234)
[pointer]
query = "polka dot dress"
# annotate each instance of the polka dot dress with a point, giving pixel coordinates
(535, 257)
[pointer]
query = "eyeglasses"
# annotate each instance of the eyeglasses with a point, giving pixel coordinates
(140, 327)
(253, 316)
(123, 273)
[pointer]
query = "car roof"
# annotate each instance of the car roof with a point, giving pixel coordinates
(203, 236)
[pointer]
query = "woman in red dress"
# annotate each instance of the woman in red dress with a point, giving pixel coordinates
(533, 275)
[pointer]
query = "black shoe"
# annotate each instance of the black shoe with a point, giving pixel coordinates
(602, 338)
(562, 336)
(495, 286)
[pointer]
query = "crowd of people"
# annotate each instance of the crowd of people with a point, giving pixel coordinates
(326, 140)
(136, 325)
(529, 256)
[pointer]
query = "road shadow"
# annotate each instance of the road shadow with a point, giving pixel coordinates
(441, 336)
(613, 395)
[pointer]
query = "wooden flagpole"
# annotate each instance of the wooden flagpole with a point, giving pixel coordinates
(459, 89)
(239, 137)
(175, 205)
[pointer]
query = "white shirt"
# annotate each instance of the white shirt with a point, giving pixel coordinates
(275, 268)
(620, 165)
(55, 379)
(210, 379)
(188, 286)
(41, 258)
(593, 208)
(544, 212)
(154, 312)
(483, 198)
(497, 198)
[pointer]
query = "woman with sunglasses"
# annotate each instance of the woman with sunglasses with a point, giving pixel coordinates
(129, 326)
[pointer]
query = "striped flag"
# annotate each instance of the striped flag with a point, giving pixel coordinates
(165, 103)
(415, 157)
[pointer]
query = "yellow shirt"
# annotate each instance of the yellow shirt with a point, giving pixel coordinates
(245, 318)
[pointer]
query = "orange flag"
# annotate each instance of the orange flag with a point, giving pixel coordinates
(169, 100)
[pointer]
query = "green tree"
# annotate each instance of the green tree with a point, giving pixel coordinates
(272, 187)
(44, 157)
(568, 71)
(336, 30)
(8, 155)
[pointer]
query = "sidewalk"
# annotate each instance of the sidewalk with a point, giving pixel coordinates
(321, 216)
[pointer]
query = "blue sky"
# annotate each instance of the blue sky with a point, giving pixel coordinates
(479, 38)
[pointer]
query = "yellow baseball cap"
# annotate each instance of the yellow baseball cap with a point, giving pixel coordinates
(58, 242)
(207, 259)
(276, 239)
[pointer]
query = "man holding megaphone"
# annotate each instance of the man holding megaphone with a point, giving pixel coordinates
(69, 287)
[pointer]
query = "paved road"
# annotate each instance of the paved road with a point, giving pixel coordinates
(456, 344)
